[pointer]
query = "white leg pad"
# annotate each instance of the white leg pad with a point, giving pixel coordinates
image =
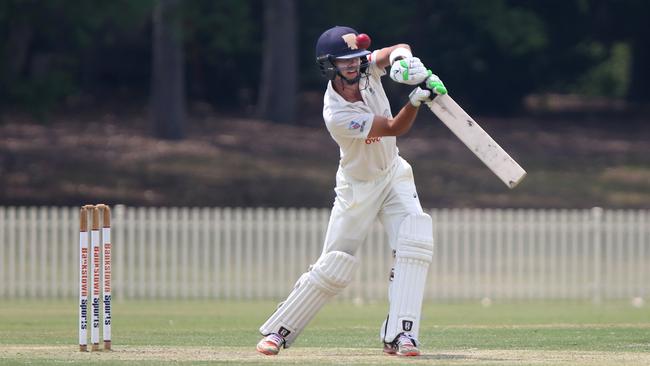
(327, 277)
(414, 254)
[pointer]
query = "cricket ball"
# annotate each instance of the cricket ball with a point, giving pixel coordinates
(363, 41)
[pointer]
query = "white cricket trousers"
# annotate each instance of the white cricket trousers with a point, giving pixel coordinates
(390, 198)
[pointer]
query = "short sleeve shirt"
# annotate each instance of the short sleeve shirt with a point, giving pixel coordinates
(362, 158)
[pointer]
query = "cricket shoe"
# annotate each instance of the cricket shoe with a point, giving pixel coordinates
(270, 345)
(390, 348)
(405, 345)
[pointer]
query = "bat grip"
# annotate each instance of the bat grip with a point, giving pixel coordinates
(423, 85)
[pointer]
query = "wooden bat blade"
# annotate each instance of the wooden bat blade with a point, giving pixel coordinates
(477, 140)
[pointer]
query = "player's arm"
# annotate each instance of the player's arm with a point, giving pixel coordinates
(400, 124)
(382, 126)
(383, 55)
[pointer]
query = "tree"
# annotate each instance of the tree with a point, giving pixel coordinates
(60, 48)
(168, 80)
(278, 86)
(608, 25)
(223, 46)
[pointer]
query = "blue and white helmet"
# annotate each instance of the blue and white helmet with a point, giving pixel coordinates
(338, 43)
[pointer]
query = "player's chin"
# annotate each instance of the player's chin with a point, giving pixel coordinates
(351, 74)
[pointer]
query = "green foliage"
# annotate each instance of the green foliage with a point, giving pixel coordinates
(43, 93)
(223, 47)
(57, 38)
(490, 53)
(222, 27)
(513, 31)
(609, 77)
(486, 50)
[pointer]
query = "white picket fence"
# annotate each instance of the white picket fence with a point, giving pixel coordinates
(223, 253)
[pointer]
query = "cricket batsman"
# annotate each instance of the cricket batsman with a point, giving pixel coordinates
(372, 182)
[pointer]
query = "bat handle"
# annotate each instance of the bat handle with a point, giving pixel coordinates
(423, 85)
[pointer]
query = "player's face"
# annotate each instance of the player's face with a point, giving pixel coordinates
(349, 68)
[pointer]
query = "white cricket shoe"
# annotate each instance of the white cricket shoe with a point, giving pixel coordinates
(271, 344)
(390, 348)
(404, 345)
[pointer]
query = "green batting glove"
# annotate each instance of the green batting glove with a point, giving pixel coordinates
(409, 71)
(434, 83)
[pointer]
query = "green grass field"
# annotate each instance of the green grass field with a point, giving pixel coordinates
(45, 332)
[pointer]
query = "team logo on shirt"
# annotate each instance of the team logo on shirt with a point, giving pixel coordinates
(354, 125)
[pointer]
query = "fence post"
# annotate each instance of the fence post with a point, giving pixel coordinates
(119, 262)
(3, 244)
(597, 230)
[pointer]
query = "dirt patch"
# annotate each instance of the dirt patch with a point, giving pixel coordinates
(246, 355)
(114, 159)
(553, 326)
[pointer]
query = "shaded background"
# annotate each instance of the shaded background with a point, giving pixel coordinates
(217, 103)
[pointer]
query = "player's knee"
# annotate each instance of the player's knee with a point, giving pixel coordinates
(415, 238)
(345, 245)
(333, 271)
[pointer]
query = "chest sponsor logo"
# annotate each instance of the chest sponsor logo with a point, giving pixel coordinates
(354, 125)
(372, 140)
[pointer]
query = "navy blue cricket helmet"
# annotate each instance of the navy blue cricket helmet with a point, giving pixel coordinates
(338, 43)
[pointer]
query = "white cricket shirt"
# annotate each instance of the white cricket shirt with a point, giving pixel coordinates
(362, 158)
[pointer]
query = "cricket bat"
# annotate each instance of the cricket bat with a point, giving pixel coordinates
(477, 140)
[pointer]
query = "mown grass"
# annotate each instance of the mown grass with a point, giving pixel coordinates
(200, 331)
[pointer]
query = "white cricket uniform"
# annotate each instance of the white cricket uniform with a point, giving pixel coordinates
(372, 181)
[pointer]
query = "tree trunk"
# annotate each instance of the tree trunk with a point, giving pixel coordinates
(18, 42)
(168, 79)
(278, 87)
